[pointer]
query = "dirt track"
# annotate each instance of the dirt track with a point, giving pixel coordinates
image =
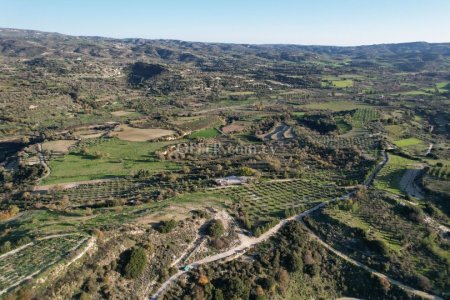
(408, 185)
(247, 242)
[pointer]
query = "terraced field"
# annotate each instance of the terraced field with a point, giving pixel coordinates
(96, 193)
(362, 142)
(389, 177)
(18, 266)
(385, 220)
(267, 201)
(364, 115)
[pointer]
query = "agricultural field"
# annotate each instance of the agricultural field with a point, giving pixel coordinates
(443, 87)
(335, 105)
(363, 116)
(204, 133)
(343, 81)
(106, 158)
(61, 146)
(194, 123)
(265, 202)
(132, 134)
(362, 142)
(399, 231)
(24, 264)
(390, 176)
(408, 142)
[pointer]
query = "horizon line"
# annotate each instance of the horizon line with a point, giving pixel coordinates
(211, 42)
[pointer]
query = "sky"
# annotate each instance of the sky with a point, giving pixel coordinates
(317, 22)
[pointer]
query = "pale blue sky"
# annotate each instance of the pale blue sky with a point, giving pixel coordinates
(325, 22)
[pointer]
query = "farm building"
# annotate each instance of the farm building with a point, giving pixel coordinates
(231, 180)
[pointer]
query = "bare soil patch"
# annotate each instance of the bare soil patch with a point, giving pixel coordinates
(232, 128)
(61, 146)
(89, 133)
(127, 133)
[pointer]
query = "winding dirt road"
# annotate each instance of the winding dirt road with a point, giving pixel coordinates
(370, 270)
(248, 242)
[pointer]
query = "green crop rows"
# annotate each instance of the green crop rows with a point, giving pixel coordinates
(35, 258)
(265, 201)
(363, 116)
(130, 189)
(366, 143)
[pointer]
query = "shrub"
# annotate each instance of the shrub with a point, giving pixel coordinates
(6, 247)
(412, 213)
(294, 262)
(215, 229)
(378, 246)
(167, 226)
(136, 264)
(203, 280)
(246, 171)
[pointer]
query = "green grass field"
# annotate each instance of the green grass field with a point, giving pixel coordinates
(408, 142)
(414, 93)
(205, 133)
(343, 83)
(338, 81)
(336, 105)
(389, 177)
(443, 86)
(343, 126)
(298, 113)
(120, 159)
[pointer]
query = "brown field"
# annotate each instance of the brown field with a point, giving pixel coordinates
(232, 128)
(61, 146)
(89, 133)
(127, 133)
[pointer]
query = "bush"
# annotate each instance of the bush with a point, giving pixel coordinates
(422, 281)
(136, 264)
(6, 247)
(412, 213)
(215, 229)
(167, 226)
(294, 262)
(378, 246)
(246, 171)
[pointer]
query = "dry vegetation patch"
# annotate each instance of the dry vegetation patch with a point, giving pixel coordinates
(62, 146)
(121, 113)
(132, 134)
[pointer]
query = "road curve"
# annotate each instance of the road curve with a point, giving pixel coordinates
(251, 241)
(370, 270)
